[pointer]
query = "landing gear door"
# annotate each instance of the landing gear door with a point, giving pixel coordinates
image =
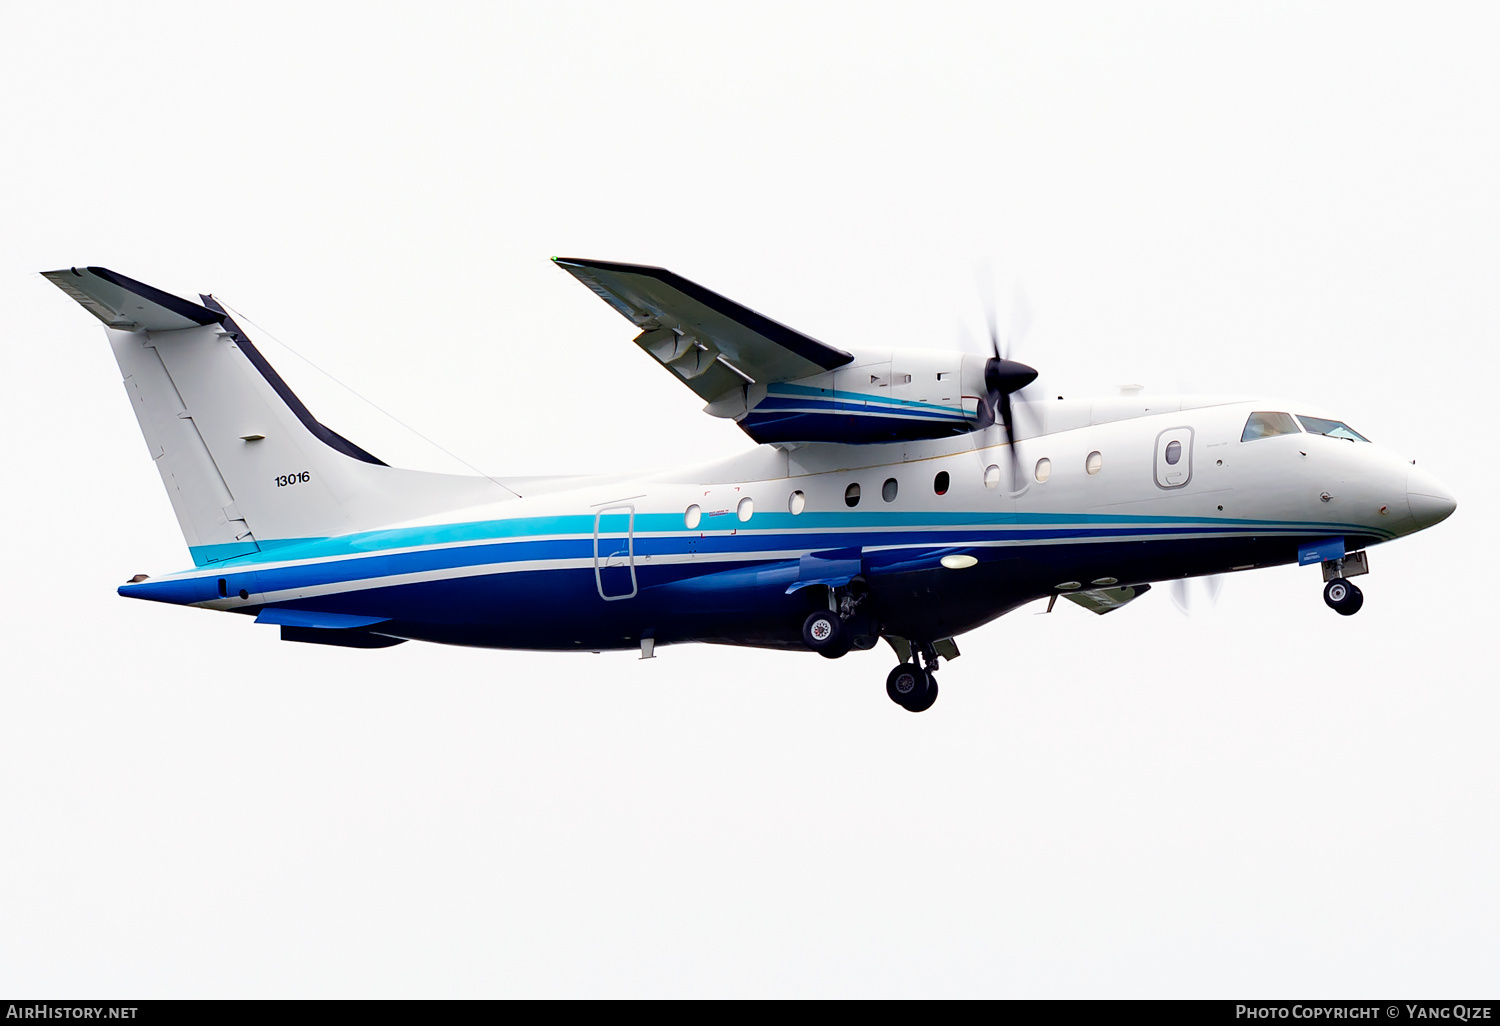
(1174, 457)
(614, 552)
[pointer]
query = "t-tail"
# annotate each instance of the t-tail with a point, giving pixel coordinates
(247, 466)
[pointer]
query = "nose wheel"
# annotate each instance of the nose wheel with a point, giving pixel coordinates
(1342, 597)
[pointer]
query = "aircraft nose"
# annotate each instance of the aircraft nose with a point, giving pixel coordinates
(1429, 501)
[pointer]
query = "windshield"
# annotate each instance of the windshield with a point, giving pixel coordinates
(1265, 425)
(1331, 428)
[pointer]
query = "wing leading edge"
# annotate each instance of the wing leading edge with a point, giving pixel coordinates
(713, 344)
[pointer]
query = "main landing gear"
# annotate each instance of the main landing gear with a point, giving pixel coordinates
(823, 631)
(913, 687)
(833, 631)
(1342, 596)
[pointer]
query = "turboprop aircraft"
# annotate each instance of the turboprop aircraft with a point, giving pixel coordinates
(903, 495)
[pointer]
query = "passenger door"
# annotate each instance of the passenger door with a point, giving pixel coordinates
(614, 552)
(1174, 457)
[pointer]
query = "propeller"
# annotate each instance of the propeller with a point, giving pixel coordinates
(1003, 377)
(1190, 594)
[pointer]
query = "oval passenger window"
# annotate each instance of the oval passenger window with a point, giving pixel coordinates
(797, 503)
(992, 476)
(692, 516)
(940, 483)
(1094, 463)
(746, 509)
(888, 490)
(851, 496)
(1043, 469)
(1174, 453)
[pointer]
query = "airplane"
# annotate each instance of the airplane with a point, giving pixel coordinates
(901, 495)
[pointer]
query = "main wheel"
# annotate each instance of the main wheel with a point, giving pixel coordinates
(823, 631)
(908, 684)
(925, 702)
(1343, 597)
(838, 648)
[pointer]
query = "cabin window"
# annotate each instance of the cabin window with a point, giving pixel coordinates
(1043, 469)
(992, 476)
(797, 503)
(851, 496)
(888, 490)
(940, 483)
(692, 516)
(1331, 428)
(1094, 463)
(1265, 425)
(1173, 453)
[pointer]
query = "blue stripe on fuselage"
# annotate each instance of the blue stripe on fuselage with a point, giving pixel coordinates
(433, 549)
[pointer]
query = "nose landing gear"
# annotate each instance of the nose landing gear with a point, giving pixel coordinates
(1342, 596)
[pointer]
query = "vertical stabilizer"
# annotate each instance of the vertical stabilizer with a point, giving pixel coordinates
(245, 463)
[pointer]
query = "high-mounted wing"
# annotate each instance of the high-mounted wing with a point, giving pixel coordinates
(712, 343)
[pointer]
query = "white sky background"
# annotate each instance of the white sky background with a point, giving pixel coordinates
(1265, 799)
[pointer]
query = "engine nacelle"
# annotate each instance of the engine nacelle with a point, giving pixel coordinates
(883, 396)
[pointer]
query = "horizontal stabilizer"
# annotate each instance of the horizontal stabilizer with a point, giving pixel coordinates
(127, 304)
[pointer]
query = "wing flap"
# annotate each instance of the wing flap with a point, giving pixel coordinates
(711, 343)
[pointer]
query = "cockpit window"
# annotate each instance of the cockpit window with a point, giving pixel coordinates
(1264, 425)
(1331, 428)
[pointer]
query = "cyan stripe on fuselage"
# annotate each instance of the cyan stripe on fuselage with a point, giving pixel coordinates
(671, 525)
